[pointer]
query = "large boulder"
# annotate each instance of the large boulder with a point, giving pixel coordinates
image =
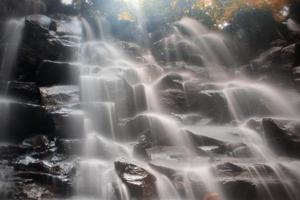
(141, 183)
(283, 136)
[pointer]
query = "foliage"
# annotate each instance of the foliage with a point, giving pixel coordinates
(210, 12)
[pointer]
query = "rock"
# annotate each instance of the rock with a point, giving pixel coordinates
(58, 96)
(59, 184)
(134, 127)
(58, 175)
(170, 81)
(39, 23)
(255, 124)
(22, 91)
(200, 140)
(40, 34)
(140, 183)
(57, 73)
(283, 136)
(39, 141)
(10, 152)
(22, 120)
(212, 103)
(70, 146)
(239, 189)
(173, 100)
(189, 53)
(144, 142)
(228, 169)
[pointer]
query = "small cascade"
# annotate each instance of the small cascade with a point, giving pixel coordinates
(13, 32)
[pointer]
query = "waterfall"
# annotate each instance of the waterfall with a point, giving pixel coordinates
(12, 36)
(171, 119)
(117, 91)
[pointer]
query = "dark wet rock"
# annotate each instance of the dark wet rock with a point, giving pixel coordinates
(22, 120)
(70, 146)
(255, 124)
(189, 53)
(21, 91)
(11, 151)
(31, 164)
(58, 96)
(39, 23)
(228, 169)
(170, 81)
(143, 143)
(283, 136)
(40, 34)
(135, 127)
(58, 175)
(201, 140)
(213, 104)
(274, 64)
(140, 183)
(38, 141)
(59, 184)
(239, 189)
(173, 100)
(57, 73)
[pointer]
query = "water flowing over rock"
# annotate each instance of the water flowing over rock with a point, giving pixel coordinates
(98, 108)
(141, 183)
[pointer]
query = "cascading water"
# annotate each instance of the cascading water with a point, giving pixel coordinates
(171, 121)
(118, 89)
(12, 36)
